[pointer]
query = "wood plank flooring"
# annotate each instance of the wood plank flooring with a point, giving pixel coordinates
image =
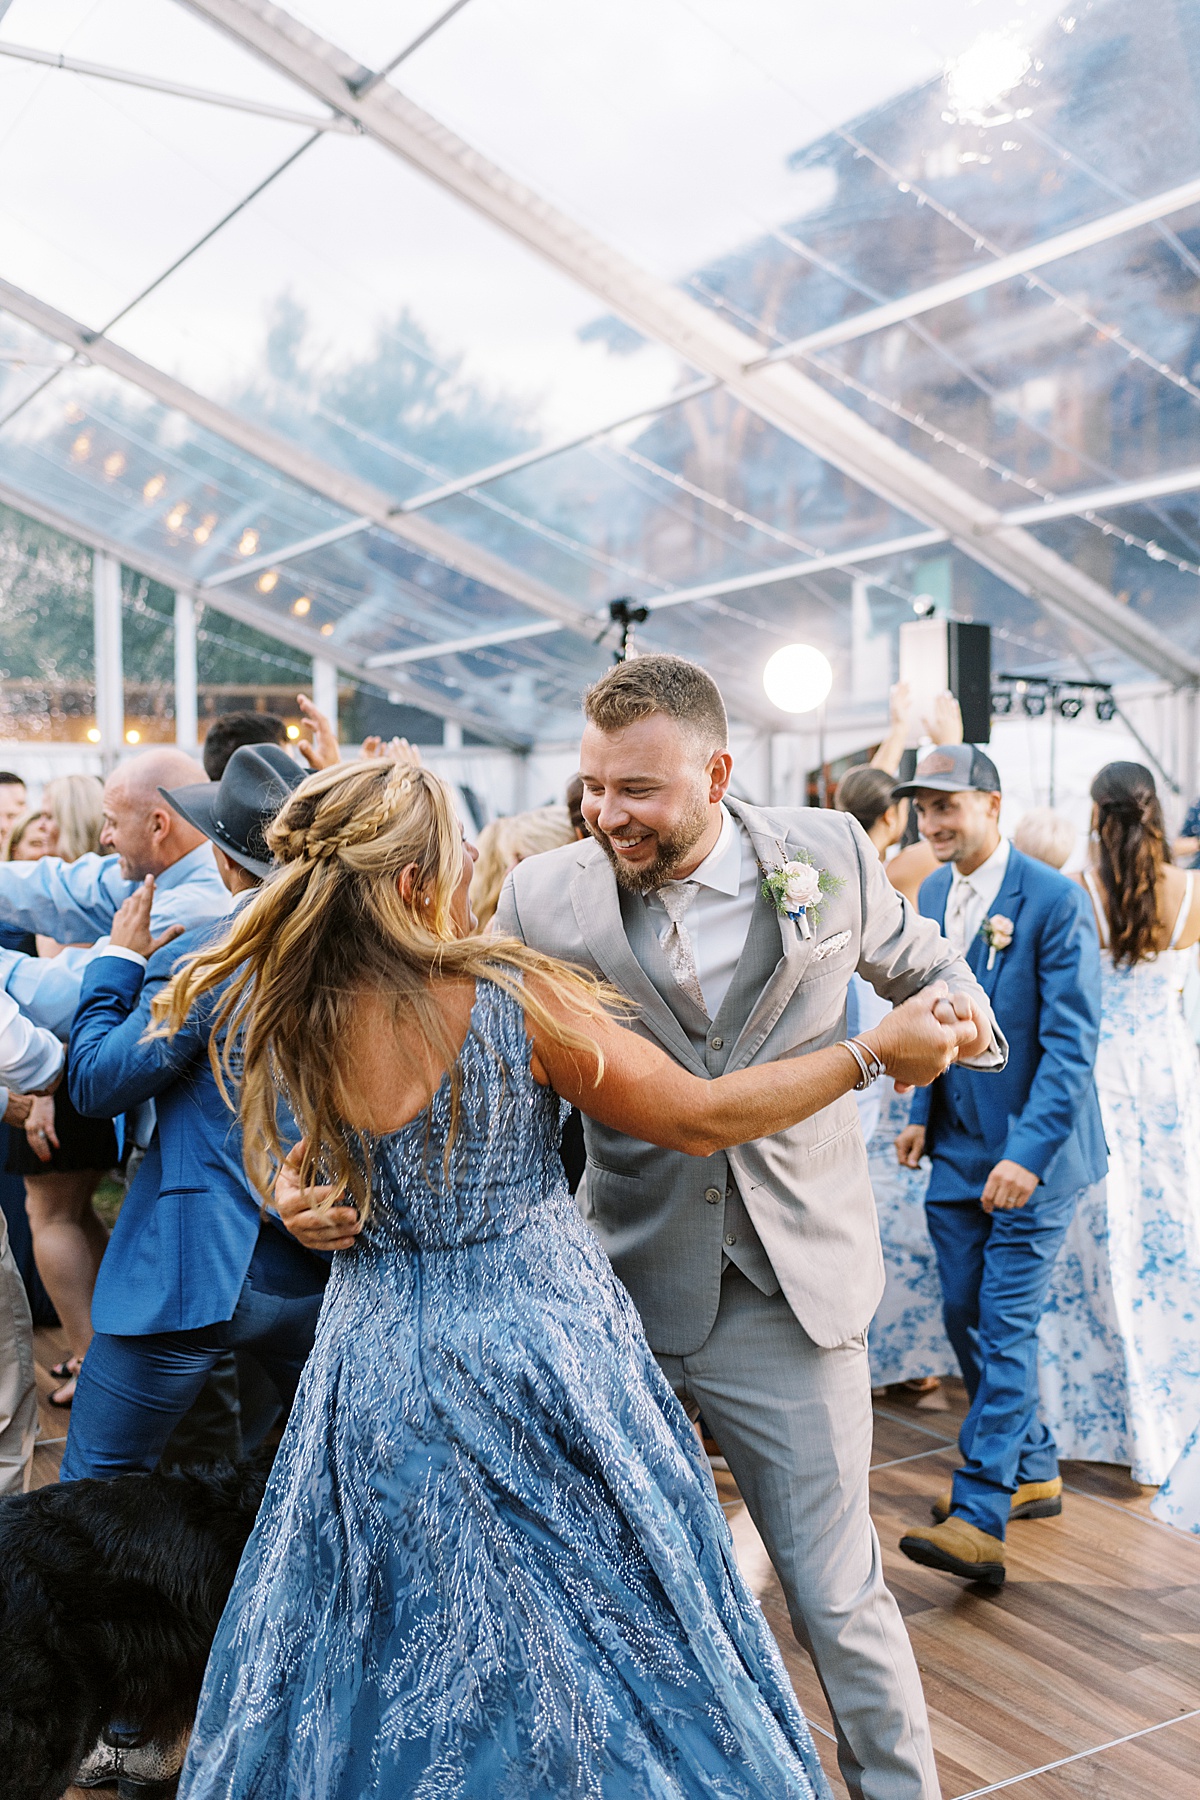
(1094, 1638)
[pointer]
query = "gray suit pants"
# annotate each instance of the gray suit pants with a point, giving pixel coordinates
(794, 1424)
(18, 1388)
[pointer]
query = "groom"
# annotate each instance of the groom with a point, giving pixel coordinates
(756, 1271)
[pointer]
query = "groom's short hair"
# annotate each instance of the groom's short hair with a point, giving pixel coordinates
(644, 685)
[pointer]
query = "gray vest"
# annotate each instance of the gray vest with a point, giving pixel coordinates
(713, 1040)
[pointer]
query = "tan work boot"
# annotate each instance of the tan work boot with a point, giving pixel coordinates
(959, 1548)
(1032, 1500)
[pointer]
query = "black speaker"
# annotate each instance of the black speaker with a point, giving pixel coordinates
(969, 660)
(936, 654)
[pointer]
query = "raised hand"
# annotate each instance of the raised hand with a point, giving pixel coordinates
(945, 723)
(306, 1211)
(324, 751)
(397, 749)
(915, 1043)
(131, 927)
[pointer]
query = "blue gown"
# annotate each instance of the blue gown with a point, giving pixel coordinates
(490, 1562)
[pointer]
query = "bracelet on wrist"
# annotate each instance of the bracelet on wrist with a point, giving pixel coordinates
(870, 1063)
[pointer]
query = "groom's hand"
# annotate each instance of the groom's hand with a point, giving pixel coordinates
(1007, 1187)
(964, 1007)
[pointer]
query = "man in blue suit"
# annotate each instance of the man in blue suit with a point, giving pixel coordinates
(1011, 1152)
(193, 1269)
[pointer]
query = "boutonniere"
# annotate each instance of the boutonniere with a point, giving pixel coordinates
(997, 934)
(797, 888)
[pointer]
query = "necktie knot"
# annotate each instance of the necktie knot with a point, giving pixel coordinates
(676, 897)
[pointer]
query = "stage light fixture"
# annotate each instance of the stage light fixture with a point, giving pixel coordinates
(1034, 702)
(1071, 705)
(1106, 708)
(1002, 703)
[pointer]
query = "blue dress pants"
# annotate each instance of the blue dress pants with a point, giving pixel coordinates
(133, 1391)
(995, 1272)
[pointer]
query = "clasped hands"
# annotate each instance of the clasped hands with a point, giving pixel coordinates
(919, 1040)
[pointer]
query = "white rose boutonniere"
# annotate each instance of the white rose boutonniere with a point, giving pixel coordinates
(797, 888)
(997, 934)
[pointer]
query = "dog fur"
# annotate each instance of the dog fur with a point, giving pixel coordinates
(110, 1593)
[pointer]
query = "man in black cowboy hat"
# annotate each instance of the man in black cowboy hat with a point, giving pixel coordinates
(192, 1269)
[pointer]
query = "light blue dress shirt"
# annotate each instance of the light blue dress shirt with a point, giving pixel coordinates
(79, 900)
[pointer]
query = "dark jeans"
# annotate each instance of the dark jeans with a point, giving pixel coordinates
(995, 1273)
(133, 1391)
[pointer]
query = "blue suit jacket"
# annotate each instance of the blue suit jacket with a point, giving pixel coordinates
(1041, 1110)
(187, 1231)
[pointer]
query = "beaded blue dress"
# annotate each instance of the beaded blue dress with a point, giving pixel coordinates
(490, 1563)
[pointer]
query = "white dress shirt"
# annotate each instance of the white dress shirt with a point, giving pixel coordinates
(972, 897)
(718, 920)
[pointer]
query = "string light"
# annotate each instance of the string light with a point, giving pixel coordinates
(176, 516)
(301, 606)
(268, 581)
(248, 543)
(92, 735)
(133, 737)
(327, 629)
(203, 530)
(154, 487)
(81, 449)
(114, 464)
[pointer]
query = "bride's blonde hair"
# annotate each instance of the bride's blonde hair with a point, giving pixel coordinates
(335, 918)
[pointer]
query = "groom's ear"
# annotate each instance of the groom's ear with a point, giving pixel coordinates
(719, 770)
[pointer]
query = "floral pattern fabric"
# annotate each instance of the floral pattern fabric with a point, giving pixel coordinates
(1119, 1342)
(906, 1338)
(491, 1563)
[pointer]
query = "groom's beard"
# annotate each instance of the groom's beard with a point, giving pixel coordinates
(673, 847)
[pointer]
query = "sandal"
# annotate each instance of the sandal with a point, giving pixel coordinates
(64, 1395)
(67, 1368)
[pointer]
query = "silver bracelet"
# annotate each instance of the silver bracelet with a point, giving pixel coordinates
(864, 1074)
(869, 1072)
(877, 1063)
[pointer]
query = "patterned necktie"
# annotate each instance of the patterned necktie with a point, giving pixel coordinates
(955, 928)
(676, 897)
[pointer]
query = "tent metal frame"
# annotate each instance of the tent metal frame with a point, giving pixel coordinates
(777, 391)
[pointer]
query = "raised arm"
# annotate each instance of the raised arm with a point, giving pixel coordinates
(903, 953)
(30, 1058)
(73, 902)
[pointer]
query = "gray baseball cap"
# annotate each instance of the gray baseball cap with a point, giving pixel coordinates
(953, 769)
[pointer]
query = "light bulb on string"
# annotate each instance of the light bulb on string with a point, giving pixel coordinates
(797, 679)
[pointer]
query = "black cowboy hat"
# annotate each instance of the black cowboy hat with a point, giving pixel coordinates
(235, 811)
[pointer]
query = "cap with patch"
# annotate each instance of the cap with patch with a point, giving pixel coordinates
(953, 769)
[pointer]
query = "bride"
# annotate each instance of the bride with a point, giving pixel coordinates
(490, 1560)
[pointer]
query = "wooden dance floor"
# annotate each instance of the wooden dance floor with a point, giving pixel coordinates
(1078, 1680)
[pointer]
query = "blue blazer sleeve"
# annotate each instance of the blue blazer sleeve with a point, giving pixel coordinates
(109, 1067)
(1068, 1032)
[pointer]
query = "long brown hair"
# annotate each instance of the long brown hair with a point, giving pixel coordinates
(1131, 850)
(335, 921)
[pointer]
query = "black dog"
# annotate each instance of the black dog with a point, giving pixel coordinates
(110, 1593)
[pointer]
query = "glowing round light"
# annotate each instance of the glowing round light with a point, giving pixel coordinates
(133, 737)
(93, 736)
(293, 732)
(798, 678)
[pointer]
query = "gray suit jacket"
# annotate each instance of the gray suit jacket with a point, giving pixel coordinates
(806, 1190)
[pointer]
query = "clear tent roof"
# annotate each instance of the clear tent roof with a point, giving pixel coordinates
(302, 306)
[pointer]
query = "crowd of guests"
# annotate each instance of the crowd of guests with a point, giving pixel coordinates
(1106, 1348)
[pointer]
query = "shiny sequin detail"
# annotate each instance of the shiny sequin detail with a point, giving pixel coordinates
(490, 1561)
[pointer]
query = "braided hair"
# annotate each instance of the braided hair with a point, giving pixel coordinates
(368, 859)
(1131, 850)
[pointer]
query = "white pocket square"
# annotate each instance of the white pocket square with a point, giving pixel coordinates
(828, 945)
